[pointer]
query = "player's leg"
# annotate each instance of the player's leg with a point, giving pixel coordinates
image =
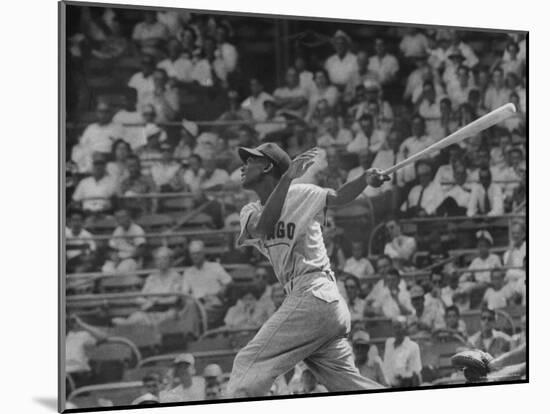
(334, 367)
(302, 325)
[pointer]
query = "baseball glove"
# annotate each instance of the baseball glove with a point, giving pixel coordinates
(475, 364)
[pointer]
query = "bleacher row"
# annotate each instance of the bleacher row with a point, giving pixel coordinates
(120, 366)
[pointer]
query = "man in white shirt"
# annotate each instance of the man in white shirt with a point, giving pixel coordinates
(165, 170)
(213, 178)
(204, 280)
(459, 90)
(97, 137)
(383, 63)
(358, 265)
(516, 253)
(497, 94)
(149, 30)
(128, 245)
(79, 245)
(330, 134)
(400, 246)
(79, 338)
(189, 387)
(413, 43)
(470, 58)
(486, 197)
(255, 102)
(457, 199)
(424, 198)
(291, 97)
(142, 81)
(483, 263)
(497, 294)
(95, 192)
(129, 119)
(226, 50)
(415, 143)
(177, 65)
(367, 137)
(402, 361)
(389, 297)
(343, 64)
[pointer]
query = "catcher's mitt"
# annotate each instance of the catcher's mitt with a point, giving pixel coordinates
(475, 364)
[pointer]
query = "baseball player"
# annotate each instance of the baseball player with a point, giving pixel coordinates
(285, 225)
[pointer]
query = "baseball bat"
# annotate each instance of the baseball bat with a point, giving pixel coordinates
(473, 128)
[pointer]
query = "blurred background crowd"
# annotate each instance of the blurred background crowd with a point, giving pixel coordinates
(159, 299)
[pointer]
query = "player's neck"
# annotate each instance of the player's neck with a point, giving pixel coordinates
(265, 188)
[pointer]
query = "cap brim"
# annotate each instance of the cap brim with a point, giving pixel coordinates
(245, 153)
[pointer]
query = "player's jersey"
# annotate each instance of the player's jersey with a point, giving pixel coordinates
(296, 246)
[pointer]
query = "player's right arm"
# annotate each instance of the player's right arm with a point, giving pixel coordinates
(271, 213)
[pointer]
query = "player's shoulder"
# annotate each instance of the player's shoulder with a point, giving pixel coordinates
(303, 188)
(251, 207)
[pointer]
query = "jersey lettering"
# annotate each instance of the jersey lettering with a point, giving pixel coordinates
(282, 230)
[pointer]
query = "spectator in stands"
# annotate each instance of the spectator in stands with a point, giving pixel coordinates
(445, 173)
(358, 265)
(291, 98)
(458, 91)
(424, 198)
(415, 143)
(164, 97)
(497, 294)
(489, 339)
(274, 122)
(129, 119)
(255, 102)
(330, 134)
(516, 253)
(497, 94)
(128, 244)
(400, 246)
(187, 387)
(189, 178)
(367, 360)
(508, 175)
(486, 198)
(80, 248)
(142, 81)
(213, 178)
(367, 136)
(513, 62)
(402, 361)
(454, 60)
(95, 192)
(79, 337)
(356, 305)
(204, 280)
(389, 296)
(247, 313)
(151, 386)
(149, 33)
(117, 168)
(165, 170)
(457, 199)
(456, 41)
(306, 77)
(519, 195)
(97, 137)
(453, 323)
(322, 89)
(135, 184)
(413, 42)
(209, 69)
(343, 64)
(485, 261)
(382, 63)
(455, 294)
(359, 77)
(213, 381)
(177, 66)
(146, 399)
(150, 152)
(429, 108)
(164, 280)
(227, 52)
(476, 103)
(429, 312)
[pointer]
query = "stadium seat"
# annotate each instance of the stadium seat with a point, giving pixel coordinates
(155, 222)
(110, 358)
(119, 393)
(146, 337)
(126, 283)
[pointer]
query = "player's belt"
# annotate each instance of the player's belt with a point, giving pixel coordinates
(290, 284)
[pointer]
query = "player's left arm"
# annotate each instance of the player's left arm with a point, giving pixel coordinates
(351, 190)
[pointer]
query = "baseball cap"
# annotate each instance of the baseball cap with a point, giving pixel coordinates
(145, 398)
(268, 150)
(185, 357)
(360, 337)
(417, 292)
(212, 370)
(484, 234)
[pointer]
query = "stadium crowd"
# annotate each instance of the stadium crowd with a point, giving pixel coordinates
(159, 102)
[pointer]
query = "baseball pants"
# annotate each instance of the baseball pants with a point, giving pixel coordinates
(311, 326)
